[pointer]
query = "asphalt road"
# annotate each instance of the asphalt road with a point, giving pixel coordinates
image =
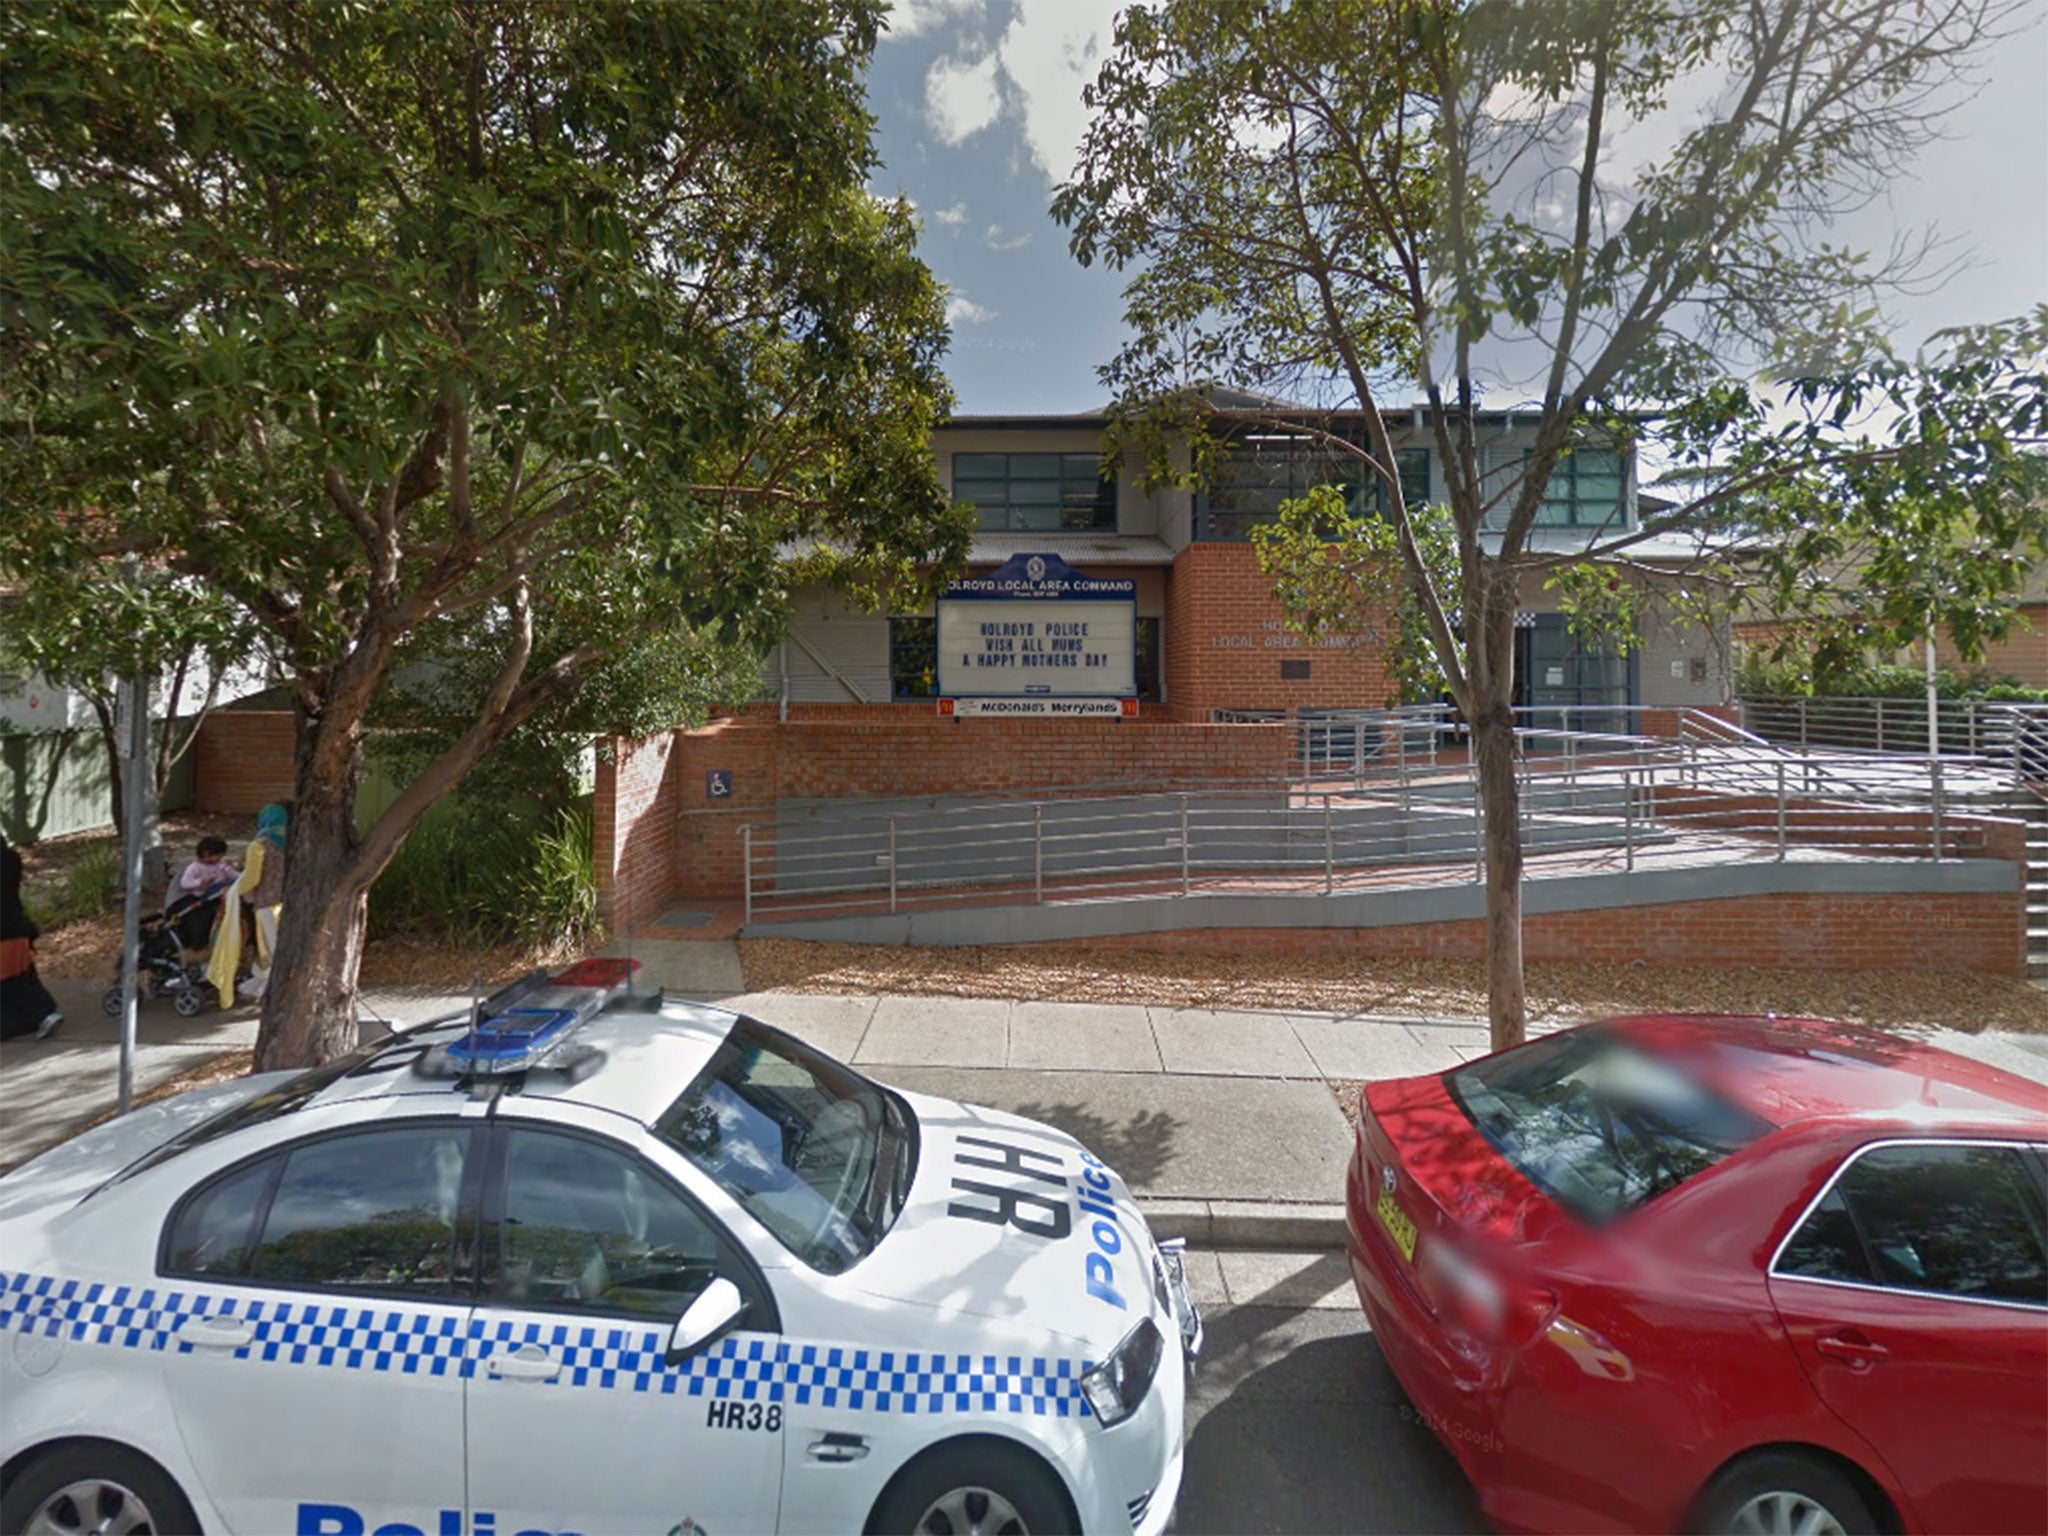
(1297, 1425)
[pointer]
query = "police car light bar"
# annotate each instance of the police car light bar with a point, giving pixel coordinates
(529, 1023)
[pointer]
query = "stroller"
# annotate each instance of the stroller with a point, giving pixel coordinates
(171, 954)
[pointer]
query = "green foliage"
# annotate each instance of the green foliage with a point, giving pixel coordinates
(1340, 574)
(489, 872)
(1902, 497)
(558, 892)
(1602, 606)
(105, 623)
(1337, 202)
(668, 679)
(89, 885)
(1761, 674)
(376, 317)
(562, 323)
(92, 626)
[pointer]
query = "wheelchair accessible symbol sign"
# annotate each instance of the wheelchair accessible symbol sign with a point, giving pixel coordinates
(718, 784)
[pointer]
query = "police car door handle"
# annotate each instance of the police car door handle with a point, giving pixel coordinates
(216, 1332)
(529, 1362)
(837, 1447)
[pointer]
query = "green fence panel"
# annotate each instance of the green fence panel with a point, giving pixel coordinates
(56, 782)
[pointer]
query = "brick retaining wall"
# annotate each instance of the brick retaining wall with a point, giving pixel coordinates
(1839, 824)
(1916, 931)
(869, 760)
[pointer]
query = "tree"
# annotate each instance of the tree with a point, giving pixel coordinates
(94, 627)
(384, 320)
(1608, 209)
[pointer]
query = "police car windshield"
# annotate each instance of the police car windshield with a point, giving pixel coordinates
(816, 1153)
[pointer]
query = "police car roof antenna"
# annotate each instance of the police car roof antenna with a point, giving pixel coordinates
(476, 1003)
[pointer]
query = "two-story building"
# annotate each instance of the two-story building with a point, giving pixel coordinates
(1208, 640)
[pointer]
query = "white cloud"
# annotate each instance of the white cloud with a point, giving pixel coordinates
(960, 98)
(964, 311)
(996, 241)
(914, 18)
(1049, 53)
(1034, 74)
(952, 217)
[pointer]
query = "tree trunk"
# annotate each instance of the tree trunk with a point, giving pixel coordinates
(110, 741)
(1500, 798)
(309, 1008)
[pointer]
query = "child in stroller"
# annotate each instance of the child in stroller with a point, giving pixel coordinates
(172, 950)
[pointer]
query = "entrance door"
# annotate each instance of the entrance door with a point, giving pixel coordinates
(1570, 685)
(575, 1421)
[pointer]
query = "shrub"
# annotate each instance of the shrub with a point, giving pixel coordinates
(557, 891)
(486, 872)
(92, 883)
(1761, 676)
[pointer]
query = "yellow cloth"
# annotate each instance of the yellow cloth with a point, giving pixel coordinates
(227, 939)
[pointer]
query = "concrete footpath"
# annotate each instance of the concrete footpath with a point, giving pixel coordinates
(1224, 1123)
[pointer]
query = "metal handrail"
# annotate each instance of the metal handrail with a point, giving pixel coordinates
(2011, 735)
(1583, 815)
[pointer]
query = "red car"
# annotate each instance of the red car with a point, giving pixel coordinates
(1721, 1274)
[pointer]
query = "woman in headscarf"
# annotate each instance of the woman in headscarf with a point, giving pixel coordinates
(26, 1006)
(261, 891)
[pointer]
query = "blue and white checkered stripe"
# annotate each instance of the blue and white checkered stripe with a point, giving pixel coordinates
(620, 1359)
(885, 1381)
(433, 1339)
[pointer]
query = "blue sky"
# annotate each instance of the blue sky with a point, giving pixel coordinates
(979, 111)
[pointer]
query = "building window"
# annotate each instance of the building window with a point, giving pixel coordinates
(914, 658)
(1411, 466)
(1036, 492)
(1586, 489)
(1259, 473)
(1149, 661)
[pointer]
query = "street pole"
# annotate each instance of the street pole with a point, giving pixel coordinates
(135, 695)
(1933, 698)
(1933, 740)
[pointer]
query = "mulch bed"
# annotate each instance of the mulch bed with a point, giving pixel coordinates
(1909, 1000)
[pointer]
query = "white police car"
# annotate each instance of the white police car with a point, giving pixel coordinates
(595, 1263)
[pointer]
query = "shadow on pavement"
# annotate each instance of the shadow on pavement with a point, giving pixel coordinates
(1137, 1146)
(1302, 1428)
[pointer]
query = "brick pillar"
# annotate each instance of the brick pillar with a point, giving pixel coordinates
(632, 830)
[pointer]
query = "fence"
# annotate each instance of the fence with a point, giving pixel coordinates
(1614, 804)
(1367, 744)
(56, 782)
(2010, 737)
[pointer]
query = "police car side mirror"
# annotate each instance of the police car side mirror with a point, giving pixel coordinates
(718, 1309)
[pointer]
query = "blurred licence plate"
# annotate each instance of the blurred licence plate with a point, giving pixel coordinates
(1398, 1226)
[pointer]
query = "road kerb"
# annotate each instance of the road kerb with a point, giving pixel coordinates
(1264, 1225)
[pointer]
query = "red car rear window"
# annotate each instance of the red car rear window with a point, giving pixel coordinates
(1598, 1124)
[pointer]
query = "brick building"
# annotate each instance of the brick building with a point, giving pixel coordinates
(1210, 642)
(857, 716)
